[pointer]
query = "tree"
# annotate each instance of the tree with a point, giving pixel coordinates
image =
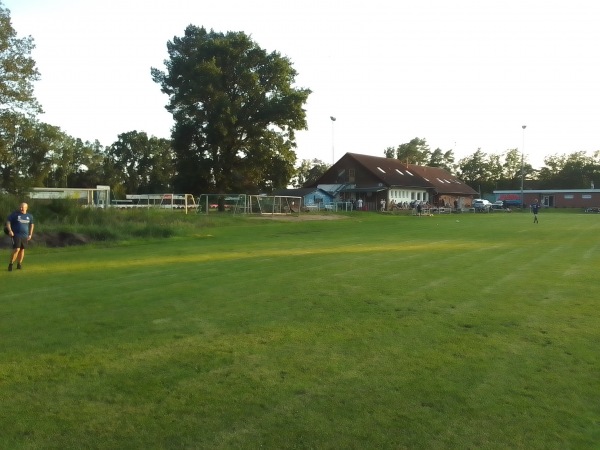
(389, 152)
(86, 171)
(445, 160)
(414, 152)
(17, 69)
(27, 162)
(574, 171)
(309, 171)
(140, 164)
(495, 169)
(235, 112)
(474, 170)
(44, 155)
(17, 102)
(513, 164)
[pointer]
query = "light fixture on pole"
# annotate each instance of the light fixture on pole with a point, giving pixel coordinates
(522, 167)
(332, 141)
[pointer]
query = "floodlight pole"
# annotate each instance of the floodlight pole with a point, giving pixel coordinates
(332, 141)
(522, 167)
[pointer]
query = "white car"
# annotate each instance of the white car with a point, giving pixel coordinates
(498, 206)
(481, 204)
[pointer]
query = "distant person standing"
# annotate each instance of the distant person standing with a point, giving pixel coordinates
(535, 207)
(359, 204)
(20, 228)
(382, 203)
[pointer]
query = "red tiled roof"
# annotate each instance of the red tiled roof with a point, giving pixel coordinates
(394, 173)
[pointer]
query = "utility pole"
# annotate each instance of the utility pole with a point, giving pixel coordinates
(332, 141)
(522, 167)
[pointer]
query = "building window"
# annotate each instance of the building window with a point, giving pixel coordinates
(351, 175)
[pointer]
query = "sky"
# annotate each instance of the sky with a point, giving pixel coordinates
(462, 74)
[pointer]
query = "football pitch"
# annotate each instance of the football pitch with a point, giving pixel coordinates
(369, 331)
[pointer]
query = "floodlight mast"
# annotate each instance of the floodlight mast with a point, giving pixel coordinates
(522, 166)
(333, 119)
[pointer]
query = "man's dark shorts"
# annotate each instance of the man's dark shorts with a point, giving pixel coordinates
(19, 242)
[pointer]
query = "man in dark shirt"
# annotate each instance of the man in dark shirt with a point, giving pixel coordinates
(535, 207)
(20, 229)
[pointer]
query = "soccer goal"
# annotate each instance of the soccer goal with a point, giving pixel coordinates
(249, 204)
(274, 204)
(183, 202)
(213, 203)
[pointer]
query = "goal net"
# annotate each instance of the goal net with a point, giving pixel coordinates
(274, 204)
(213, 203)
(249, 204)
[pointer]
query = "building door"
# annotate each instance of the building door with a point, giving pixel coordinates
(548, 201)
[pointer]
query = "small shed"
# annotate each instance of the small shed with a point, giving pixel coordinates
(312, 198)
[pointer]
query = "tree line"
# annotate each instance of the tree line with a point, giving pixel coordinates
(235, 107)
(487, 172)
(236, 112)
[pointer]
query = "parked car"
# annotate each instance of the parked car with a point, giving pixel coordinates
(481, 204)
(498, 206)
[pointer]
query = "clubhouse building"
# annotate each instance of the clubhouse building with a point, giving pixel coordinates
(374, 179)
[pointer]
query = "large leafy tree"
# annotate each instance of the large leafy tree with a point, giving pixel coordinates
(235, 110)
(577, 170)
(17, 102)
(44, 155)
(475, 171)
(513, 164)
(27, 161)
(309, 171)
(141, 164)
(17, 69)
(76, 163)
(414, 152)
(487, 172)
(439, 158)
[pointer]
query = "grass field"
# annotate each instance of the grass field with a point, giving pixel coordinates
(372, 331)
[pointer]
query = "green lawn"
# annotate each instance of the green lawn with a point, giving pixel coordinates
(372, 331)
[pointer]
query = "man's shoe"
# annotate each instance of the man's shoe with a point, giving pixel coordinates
(10, 267)
(19, 266)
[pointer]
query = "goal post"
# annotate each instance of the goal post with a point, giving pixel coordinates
(174, 202)
(249, 204)
(215, 203)
(274, 204)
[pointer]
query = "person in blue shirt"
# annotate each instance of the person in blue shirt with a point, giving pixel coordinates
(535, 207)
(20, 228)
